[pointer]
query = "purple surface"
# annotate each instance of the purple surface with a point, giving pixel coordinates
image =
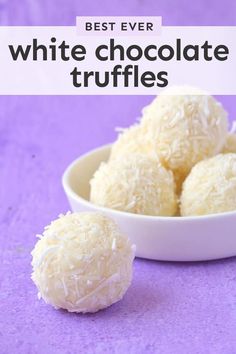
(170, 308)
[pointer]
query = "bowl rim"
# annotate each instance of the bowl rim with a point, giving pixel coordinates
(72, 194)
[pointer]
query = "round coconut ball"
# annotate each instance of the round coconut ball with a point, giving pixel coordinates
(136, 184)
(82, 263)
(230, 145)
(210, 187)
(188, 126)
(134, 139)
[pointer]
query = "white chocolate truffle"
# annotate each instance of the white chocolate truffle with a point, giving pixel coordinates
(134, 139)
(82, 263)
(136, 184)
(210, 187)
(188, 126)
(230, 145)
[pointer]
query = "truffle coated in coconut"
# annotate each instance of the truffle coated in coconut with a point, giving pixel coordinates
(136, 184)
(230, 145)
(188, 126)
(82, 263)
(210, 187)
(134, 139)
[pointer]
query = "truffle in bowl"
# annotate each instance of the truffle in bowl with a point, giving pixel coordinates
(168, 238)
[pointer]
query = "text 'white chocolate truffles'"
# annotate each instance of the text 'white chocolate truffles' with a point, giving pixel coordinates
(188, 126)
(210, 187)
(135, 184)
(136, 140)
(82, 263)
(230, 145)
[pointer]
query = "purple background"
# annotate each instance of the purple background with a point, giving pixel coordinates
(170, 307)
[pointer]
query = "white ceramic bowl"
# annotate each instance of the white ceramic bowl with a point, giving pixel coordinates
(161, 238)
